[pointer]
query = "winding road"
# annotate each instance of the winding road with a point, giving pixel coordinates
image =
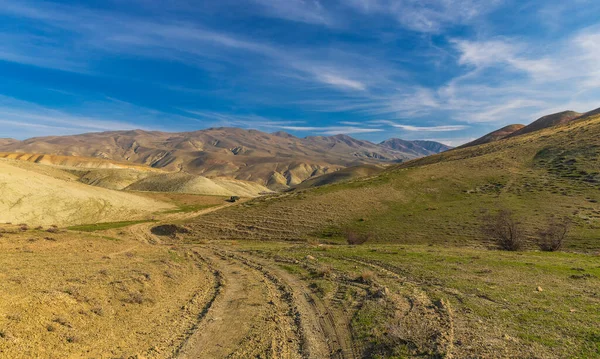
(259, 309)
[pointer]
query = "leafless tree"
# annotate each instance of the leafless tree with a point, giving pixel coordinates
(552, 238)
(503, 229)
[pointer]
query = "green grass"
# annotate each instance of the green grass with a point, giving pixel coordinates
(189, 208)
(105, 226)
(493, 294)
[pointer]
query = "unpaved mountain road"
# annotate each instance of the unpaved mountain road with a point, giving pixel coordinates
(260, 310)
(142, 231)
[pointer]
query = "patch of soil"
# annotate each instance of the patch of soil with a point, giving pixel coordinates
(170, 230)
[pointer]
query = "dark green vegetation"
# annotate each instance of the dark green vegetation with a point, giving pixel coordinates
(105, 226)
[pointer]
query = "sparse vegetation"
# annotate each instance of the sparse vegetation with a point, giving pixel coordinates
(504, 230)
(355, 238)
(552, 238)
(104, 226)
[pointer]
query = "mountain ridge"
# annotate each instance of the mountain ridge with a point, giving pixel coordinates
(278, 160)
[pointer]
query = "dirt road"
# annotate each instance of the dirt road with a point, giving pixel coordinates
(260, 310)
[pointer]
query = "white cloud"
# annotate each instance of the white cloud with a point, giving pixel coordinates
(429, 16)
(339, 81)
(27, 119)
(444, 128)
(308, 11)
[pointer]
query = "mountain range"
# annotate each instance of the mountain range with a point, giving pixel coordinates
(276, 160)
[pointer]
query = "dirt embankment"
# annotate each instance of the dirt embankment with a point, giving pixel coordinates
(36, 197)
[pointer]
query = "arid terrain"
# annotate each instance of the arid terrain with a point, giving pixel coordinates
(276, 160)
(110, 260)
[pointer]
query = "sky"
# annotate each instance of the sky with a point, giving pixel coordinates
(445, 70)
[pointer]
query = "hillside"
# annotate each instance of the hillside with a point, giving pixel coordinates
(41, 195)
(343, 175)
(495, 135)
(548, 121)
(7, 141)
(275, 160)
(416, 148)
(441, 198)
(117, 175)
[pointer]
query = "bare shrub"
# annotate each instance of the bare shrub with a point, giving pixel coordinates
(355, 238)
(503, 229)
(552, 238)
(324, 271)
(366, 277)
(52, 230)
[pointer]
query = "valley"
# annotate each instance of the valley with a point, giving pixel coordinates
(371, 261)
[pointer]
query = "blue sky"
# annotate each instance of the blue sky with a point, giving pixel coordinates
(448, 70)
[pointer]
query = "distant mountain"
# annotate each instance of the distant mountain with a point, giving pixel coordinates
(275, 160)
(417, 148)
(495, 136)
(7, 141)
(552, 120)
(433, 146)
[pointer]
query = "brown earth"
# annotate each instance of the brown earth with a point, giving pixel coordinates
(275, 160)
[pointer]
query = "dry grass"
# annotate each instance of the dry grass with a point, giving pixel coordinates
(82, 295)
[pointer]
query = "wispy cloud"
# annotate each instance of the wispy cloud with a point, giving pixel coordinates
(429, 16)
(444, 128)
(333, 130)
(27, 119)
(342, 82)
(308, 11)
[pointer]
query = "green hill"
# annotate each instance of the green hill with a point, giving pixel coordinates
(442, 198)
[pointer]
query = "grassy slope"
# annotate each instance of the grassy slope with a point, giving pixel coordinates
(440, 199)
(495, 308)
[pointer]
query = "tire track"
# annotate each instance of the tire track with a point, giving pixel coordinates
(440, 310)
(326, 334)
(251, 317)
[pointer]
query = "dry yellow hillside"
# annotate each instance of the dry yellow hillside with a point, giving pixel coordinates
(40, 196)
(187, 183)
(72, 161)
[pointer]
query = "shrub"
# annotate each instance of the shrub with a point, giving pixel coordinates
(552, 238)
(355, 238)
(366, 277)
(503, 229)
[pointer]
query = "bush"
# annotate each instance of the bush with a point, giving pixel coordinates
(355, 238)
(503, 229)
(366, 277)
(552, 238)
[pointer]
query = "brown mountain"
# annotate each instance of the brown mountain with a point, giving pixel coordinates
(495, 136)
(547, 121)
(416, 148)
(7, 141)
(277, 160)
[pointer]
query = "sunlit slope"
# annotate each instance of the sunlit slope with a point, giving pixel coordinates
(117, 175)
(343, 175)
(441, 198)
(39, 195)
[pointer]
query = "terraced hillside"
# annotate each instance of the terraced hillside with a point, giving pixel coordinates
(442, 198)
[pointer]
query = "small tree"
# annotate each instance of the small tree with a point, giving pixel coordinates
(552, 238)
(354, 238)
(503, 229)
